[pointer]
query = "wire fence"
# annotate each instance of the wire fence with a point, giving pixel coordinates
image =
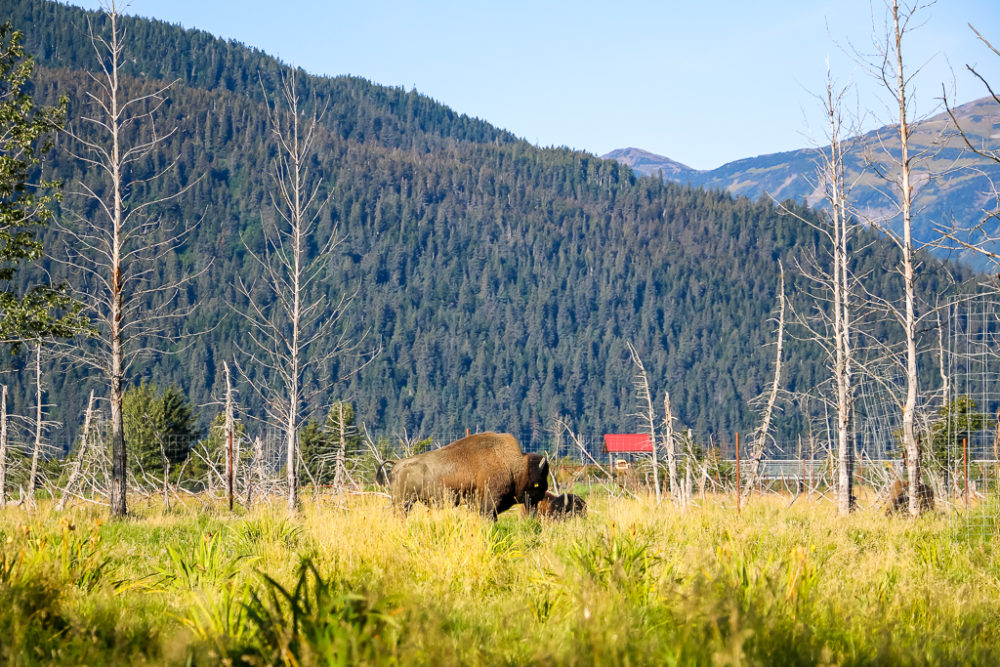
(959, 422)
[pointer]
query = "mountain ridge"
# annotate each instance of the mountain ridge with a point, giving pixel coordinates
(503, 280)
(791, 174)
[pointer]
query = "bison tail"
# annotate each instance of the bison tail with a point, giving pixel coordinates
(382, 473)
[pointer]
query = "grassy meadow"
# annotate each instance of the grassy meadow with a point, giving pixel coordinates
(348, 581)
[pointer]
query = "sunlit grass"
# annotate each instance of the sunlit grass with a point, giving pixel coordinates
(352, 581)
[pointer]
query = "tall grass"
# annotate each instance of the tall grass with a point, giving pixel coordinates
(632, 583)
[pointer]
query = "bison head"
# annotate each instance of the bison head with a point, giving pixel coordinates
(534, 481)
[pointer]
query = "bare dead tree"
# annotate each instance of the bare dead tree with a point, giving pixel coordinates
(340, 475)
(36, 448)
(256, 471)
(702, 464)
(670, 443)
(231, 459)
(836, 194)
(763, 431)
(285, 325)
(982, 237)
(293, 334)
(648, 415)
(834, 323)
(377, 456)
(113, 254)
(81, 454)
(3, 446)
(901, 166)
(408, 444)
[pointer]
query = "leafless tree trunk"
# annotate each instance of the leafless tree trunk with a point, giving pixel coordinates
(763, 432)
(649, 416)
(3, 446)
(256, 471)
(839, 213)
(340, 467)
(670, 444)
(900, 169)
(166, 470)
(836, 318)
(74, 474)
(909, 281)
(111, 254)
(291, 330)
(890, 71)
(228, 436)
(36, 448)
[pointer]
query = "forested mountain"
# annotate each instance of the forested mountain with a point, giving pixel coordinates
(954, 185)
(501, 280)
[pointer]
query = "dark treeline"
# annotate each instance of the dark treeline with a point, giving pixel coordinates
(501, 280)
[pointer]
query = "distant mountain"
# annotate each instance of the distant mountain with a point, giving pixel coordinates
(502, 280)
(651, 164)
(959, 192)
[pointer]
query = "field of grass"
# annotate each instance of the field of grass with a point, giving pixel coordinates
(349, 581)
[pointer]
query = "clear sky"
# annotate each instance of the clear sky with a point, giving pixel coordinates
(701, 82)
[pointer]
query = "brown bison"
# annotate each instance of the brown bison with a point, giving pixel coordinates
(560, 506)
(899, 497)
(487, 470)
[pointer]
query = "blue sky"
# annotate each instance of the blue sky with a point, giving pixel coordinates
(703, 83)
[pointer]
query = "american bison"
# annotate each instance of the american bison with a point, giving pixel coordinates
(560, 506)
(487, 470)
(899, 497)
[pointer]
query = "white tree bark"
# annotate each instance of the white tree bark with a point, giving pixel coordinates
(3, 446)
(115, 248)
(649, 415)
(291, 330)
(36, 448)
(229, 436)
(670, 445)
(75, 472)
(910, 443)
(763, 431)
(340, 460)
(899, 173)
(836, 188)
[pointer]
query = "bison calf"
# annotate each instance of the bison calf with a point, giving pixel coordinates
(561, 506)
(899, 498)
(487, 470)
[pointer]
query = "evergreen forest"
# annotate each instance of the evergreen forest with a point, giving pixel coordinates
(498, 281)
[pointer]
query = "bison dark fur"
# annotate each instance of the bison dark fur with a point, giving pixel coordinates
(899, 497)
(561, 506)
(487, 470)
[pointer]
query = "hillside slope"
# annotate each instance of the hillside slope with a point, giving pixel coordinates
(959, 192)
(501, 280)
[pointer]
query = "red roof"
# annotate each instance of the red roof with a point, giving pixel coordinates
(627, 442)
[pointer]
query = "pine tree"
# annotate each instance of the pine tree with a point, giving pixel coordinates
(160, 427)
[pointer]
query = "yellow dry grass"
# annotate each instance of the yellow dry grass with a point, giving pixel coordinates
(632, 583)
